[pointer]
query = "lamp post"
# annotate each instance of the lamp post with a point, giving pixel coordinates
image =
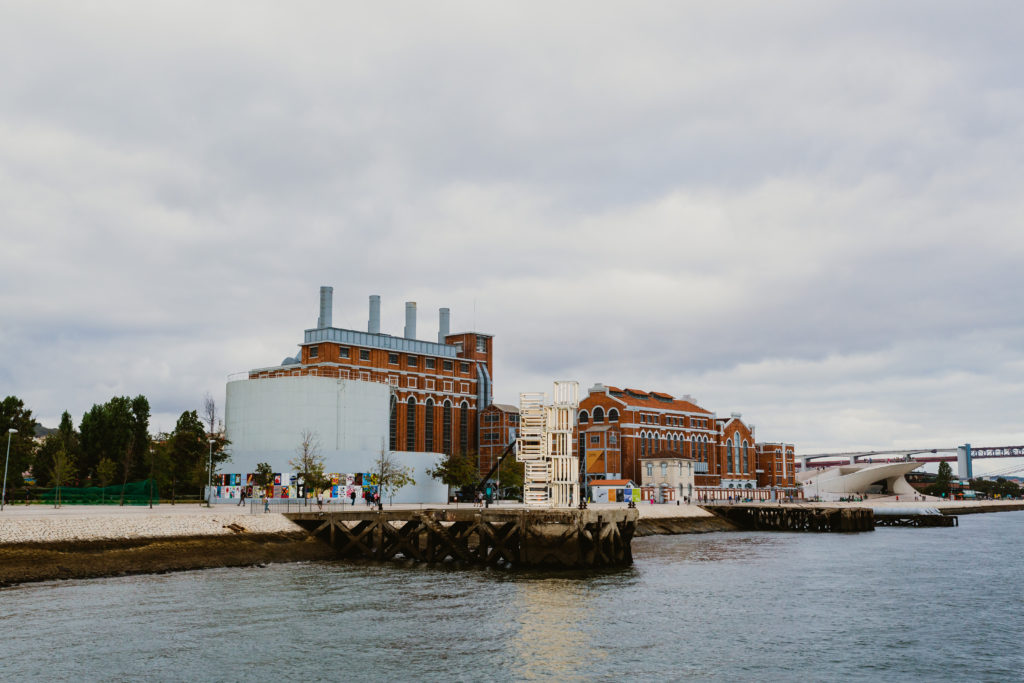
(3, 495)
(209, 482)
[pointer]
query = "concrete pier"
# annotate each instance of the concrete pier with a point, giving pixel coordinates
(521, 538)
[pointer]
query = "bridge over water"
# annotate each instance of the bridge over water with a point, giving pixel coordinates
(962, 455)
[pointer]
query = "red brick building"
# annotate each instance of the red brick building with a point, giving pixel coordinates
(499, 424)
(775, 465)
(617, 427)
(439, 388)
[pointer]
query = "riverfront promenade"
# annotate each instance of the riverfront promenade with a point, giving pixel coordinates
(45, 524)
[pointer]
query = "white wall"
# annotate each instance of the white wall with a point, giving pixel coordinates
(264, 420)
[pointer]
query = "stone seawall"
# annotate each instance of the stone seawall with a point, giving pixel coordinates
(667, 526)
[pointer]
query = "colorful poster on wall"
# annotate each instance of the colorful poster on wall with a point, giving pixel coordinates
(250, 479)
(277, 479)
(636, 495)
(335, 479)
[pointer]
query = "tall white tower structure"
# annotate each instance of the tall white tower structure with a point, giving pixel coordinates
(544, 446)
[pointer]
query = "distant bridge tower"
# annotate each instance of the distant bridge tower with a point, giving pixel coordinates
(544, 446)
(964, 469)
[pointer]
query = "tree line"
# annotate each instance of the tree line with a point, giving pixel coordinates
(112, 445)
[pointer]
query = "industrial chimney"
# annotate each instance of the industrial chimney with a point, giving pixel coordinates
(373, 326)
(410, 319)
(326, 305)
(443, 324)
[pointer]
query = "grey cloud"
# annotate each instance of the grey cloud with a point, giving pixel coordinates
(662, 196)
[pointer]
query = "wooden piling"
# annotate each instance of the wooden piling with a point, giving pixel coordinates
(795, 518)
(554, 538)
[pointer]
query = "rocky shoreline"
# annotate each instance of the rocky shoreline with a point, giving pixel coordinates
(47, 561)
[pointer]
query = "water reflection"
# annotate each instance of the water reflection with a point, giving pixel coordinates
(732, 547)
(552, 642)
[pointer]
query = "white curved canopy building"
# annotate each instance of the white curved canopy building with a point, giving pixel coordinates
(845, 480)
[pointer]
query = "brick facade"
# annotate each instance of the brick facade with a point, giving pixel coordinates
(439, 389)
(617, 427)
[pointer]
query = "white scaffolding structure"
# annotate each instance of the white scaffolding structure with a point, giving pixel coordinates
(544, 446)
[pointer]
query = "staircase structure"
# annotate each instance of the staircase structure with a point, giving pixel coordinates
(544, 446)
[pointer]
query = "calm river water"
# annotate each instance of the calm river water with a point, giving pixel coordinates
(895, 604)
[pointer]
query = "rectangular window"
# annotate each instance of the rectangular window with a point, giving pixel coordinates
(364, 354)
(313, 351)
(464, 368)
(430, 383)
(595, 438)
(448, 386)
(393, 380)
(410, 382)
(411, 361)
(365, 376)
(392, 359)
(343, 352)
(464, 387)
(448, 366)
(430, 363)
(481, 344)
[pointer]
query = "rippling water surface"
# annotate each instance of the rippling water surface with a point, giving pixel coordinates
(895, 604)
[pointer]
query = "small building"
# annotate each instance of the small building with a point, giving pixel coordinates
(612, 490)
(499, 424)
(667, 477)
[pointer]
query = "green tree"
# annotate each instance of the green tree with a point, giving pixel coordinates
(456, 470)
(390, 475)
(510, 474)
(119, 430)
(13, 414)
(942, 481)
(106, 472)
(187, 451)
(264, 476)
(308, 462)
(62, 471)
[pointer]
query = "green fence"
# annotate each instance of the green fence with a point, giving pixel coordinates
(135, 493)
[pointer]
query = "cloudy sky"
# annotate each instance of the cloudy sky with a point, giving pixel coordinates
(806, 212)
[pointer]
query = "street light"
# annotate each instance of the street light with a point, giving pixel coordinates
(3, 496)
(209, 482)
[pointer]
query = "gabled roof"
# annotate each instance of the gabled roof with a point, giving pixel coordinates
(661, 402)
(666, 455)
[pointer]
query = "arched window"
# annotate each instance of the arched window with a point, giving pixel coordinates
(643, 444)
(650, 469)
(428, 426)
(728, 456)
(393, 425)
(464, 427)
(746, 448)
(657, 444)
(613, 415)
(410, 424)
(446, 427)
(584, 417)
(598, 414)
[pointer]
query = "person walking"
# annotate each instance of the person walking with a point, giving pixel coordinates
(352, 495)
(266, 503)
(320, 499)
